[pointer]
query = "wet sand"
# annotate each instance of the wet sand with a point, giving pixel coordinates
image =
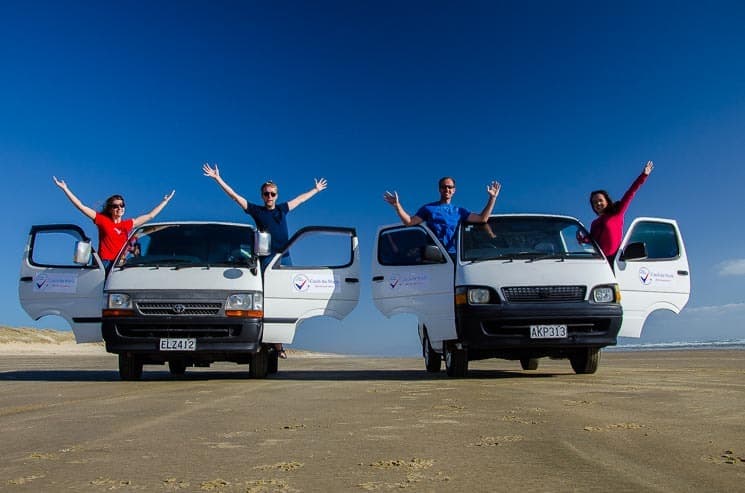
(647, 421)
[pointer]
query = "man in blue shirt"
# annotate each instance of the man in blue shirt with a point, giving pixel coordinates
(270, 217)
(442, 217)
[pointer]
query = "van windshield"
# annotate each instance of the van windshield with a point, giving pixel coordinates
(186, 245)
(527, 237)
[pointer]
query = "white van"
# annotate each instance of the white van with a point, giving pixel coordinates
(190, 293)
(526, 286)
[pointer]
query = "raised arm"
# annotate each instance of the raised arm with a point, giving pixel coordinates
(75, 201)
(626, 199)
(156, 210)
(493, 190)
(392, 198)
(320, 186)
(214, 173)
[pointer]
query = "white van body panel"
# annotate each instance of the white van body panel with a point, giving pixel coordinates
(72, 292)
(292, 295)
(653, 283)
(171, 278)
(519, 272)
(423, 290)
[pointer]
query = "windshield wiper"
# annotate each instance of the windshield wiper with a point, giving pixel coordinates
(546, 256)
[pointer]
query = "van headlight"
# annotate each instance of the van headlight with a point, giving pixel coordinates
(119, 301)
(245, 305)
(605, 294)
(478, 296)
(465, 295)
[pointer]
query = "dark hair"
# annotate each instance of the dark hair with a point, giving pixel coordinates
(106, 211)
(269, 183)
(610, 208)
(439, 183)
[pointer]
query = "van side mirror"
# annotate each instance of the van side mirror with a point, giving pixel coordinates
(83, 252)
(432, 255)
(262, 243)
(634, 251)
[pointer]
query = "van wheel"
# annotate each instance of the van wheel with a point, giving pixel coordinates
(130, 368)
(177, 368)
(273, 362)
(456, 362)
(585, 361)
(259, 365)
(529, 363)
(432, 359)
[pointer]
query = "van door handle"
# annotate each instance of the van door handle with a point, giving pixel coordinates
(351, 279)
(377, 278)
(27, 279)
(682, 272)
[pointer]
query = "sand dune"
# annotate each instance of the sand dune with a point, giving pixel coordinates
(27, 340)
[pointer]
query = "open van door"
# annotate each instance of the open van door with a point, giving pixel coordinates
(323, 280)
(52, 283)
(412, 273)
(652, 271)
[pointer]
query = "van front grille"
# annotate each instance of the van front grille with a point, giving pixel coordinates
(179, 308)
(538, 294)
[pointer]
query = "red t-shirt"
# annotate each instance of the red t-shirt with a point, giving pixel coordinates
(111, 236)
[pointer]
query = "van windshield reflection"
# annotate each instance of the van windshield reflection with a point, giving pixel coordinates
(189, 245)
(526, 237)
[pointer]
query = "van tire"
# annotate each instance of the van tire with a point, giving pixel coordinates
(456, 362)
(130, 368)
(529, 363)
(432, 359)
(585, 361)
(259, 365)
(177, 368)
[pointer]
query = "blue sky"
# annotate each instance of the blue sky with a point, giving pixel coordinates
(552, 99)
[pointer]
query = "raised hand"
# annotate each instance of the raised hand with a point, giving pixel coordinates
(648, 167)
(211, 172)
(391, 198)
(493, 188)
(320, 184)
(60, 183)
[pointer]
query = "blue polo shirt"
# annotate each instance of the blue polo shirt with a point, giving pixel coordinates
(443, 219)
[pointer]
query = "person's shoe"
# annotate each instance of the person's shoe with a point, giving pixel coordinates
(282, 354)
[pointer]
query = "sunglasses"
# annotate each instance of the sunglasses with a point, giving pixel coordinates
(448, 187)
(116, 206)
(270, 194)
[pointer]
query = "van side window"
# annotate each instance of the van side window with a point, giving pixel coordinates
(317, 249)
(54, 248)
(660, 239)
(403, 246)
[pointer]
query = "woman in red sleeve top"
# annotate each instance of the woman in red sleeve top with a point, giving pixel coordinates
(113, 229)
(607, 228)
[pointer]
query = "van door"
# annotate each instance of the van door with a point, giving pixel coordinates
(661, 281)
(412, 273)
(52, 284)
(323, 280)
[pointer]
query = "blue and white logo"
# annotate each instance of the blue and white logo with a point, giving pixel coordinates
(645, 276)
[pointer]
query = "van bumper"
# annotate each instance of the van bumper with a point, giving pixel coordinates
(226, 339)
(504, 330)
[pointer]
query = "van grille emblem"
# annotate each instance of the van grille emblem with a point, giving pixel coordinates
(179, 308)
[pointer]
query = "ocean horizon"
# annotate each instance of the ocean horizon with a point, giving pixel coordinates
(678, 345)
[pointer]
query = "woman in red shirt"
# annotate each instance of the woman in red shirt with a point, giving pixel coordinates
(607, 228)
(113, 229)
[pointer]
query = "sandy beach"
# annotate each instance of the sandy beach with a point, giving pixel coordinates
(647, 421)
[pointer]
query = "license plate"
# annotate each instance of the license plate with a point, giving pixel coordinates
(548, 331)
(172, 344)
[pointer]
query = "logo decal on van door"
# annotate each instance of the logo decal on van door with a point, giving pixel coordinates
(300, 283)
(645, 276)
